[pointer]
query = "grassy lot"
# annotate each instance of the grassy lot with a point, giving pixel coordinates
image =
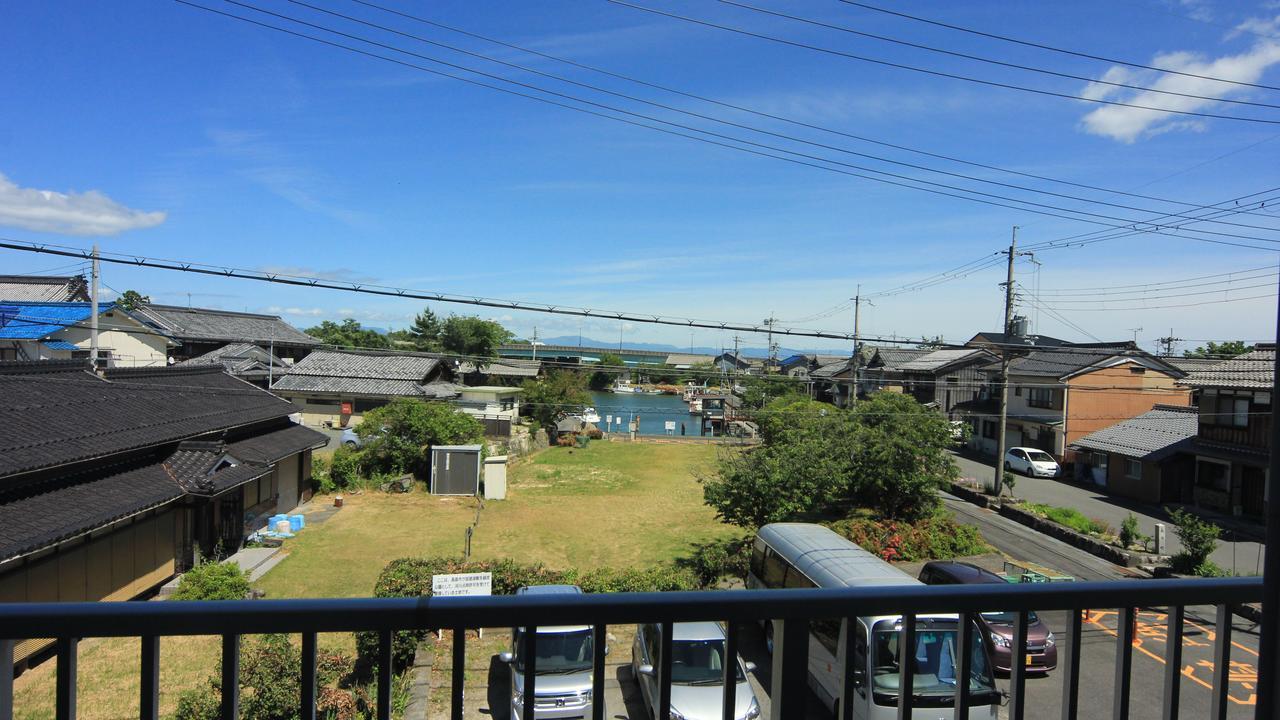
(612, 504)
(1070, 517)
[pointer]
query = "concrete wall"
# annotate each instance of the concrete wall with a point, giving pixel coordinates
(115, 563)
(128, 340)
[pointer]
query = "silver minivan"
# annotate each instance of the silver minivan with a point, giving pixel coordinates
(563, 667)
(697, 672)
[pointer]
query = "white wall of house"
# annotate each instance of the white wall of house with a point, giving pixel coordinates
(130, 343)
(496, 402)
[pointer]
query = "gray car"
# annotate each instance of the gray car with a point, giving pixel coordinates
(563, 668)
(697, 672)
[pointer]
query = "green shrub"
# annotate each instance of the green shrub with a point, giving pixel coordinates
(411, 577)
(398, 435)
(1130, 535)
(1071, 518)
(345, 467)
(321, 478)
(1199, 539)
(934, 538)
(213, 581)
(712, 561)
(270, 684)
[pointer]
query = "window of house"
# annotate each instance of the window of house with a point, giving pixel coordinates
(1133, 469)
(989, 430)
(1213, 476)
(507, 403)
(1041, 397)
(1137, 370)
(365, 405)
(1230, 410)
(1017, 390)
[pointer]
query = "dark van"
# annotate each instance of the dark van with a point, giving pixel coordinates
(997, 627)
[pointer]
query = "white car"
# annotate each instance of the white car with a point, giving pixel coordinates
(1032, 462)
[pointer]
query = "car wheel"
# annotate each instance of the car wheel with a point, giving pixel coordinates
(351, 444)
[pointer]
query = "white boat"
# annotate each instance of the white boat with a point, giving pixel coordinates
(590, 415)
(625, 386)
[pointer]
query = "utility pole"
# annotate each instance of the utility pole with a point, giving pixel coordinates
(534, 344)
(1004, 364)
(93, 311)
(772, 356)
(1167, 342)
(857, 352)
(733, 378)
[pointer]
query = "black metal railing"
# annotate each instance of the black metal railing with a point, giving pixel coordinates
(790, 611)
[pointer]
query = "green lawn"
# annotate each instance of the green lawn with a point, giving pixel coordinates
(612, 504)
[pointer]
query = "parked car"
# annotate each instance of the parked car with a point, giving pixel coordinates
(1032, 462)
(997, 627)
(697, 672)
(350, 439)
(563, 667)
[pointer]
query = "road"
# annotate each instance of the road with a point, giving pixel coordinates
(1098, 637)
(1242, 555)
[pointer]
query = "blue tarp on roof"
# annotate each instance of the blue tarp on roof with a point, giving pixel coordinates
(58, 345)
(32, 321)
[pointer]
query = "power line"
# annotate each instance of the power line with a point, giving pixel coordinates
(1143, 294)
(938, 73)
(1051, 48)
(689, 113)
(790, 155)
(771, 116)
(1271, 268)
(979, 58)
(1166, 307)
(394, 292)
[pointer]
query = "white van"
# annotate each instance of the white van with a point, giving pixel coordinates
(800, 555)
(563, 667)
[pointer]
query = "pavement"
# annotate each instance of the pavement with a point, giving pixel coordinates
(1098, 638)
(1238, 552)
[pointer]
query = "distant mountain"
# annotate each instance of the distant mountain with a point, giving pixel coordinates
(758, 352)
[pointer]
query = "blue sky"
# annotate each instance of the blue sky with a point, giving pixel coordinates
(166, 131)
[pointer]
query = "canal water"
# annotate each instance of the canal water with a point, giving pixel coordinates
(654, 412)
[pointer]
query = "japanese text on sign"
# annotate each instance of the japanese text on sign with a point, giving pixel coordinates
(462, 584)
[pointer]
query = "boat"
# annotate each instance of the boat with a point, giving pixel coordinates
(695, 406)
(625, 386)
(590, 415)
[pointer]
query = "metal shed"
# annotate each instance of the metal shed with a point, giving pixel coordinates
(455, 470)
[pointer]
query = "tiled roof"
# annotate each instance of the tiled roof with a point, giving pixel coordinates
(62, 414)
(272, 446)
(206, 325)
(39, 520)
(830, 369)
(891, 359)
(1061, 362)
(32, 320)
(999, 338)
(1190, 365)
(241, 359)
(505, 367)
(941, 358)
(365, 373)
(44, 288)
(1151, 435)
(1252, 370)
(206, 468)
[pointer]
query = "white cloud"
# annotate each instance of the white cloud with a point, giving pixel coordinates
(87, 213)
(1128, 124)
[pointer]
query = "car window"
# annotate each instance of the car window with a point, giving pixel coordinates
(1038, 456)
(1018, 454)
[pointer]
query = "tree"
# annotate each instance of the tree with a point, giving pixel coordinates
(546, 398)
(132, 300)
(758, 391)
(425, 331)
(889, 454)
(602, 379)
(930, 343)
(1199, 539)
(1224, 350)
(348, 333)
(398, 436)
(900, 457)
(472, 336)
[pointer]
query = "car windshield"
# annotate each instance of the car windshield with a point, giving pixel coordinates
(558, 652)
(1006, 617)
(934, 662)
(1037, 456)
(699, 662)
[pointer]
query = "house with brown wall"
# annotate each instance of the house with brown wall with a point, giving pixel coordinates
(1059, 395)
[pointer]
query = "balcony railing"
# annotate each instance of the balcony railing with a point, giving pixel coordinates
(791, 612)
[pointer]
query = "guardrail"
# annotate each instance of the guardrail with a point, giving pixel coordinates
(791, 612)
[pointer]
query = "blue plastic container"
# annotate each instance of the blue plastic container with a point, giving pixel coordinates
(295, 522)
